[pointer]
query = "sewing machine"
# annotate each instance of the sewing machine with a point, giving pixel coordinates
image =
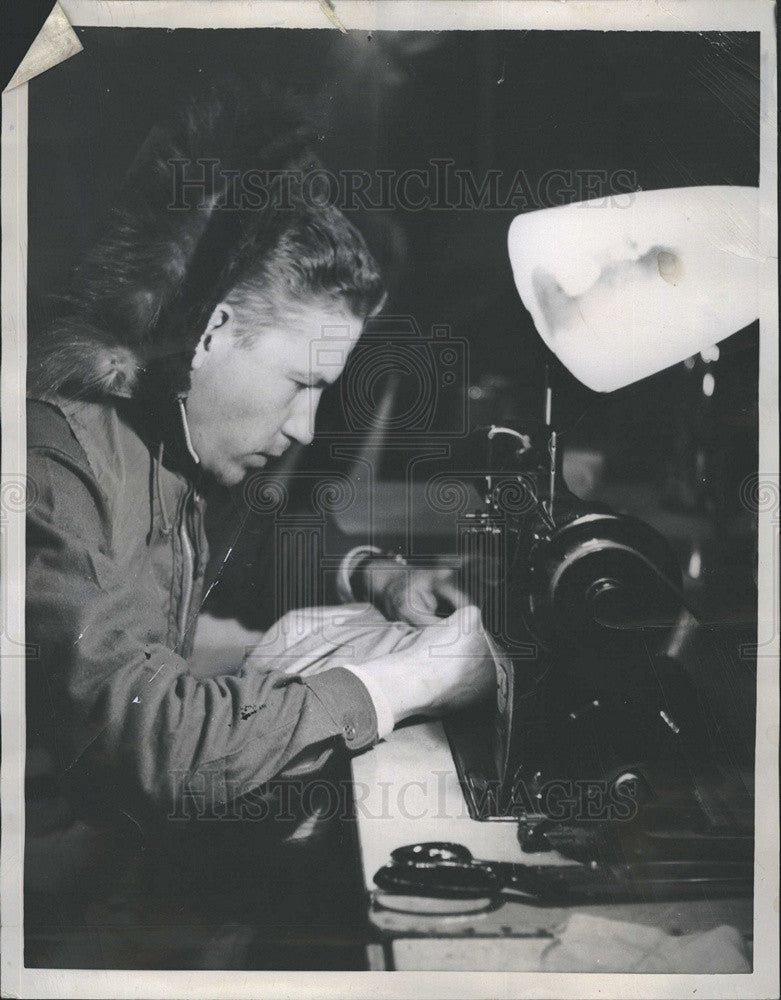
(596, 743)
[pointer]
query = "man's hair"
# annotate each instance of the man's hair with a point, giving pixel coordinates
(293, 254)
(142, 298)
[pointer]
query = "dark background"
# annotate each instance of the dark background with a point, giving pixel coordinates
(674, 109)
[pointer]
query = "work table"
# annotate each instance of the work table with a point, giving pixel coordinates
(406, 791)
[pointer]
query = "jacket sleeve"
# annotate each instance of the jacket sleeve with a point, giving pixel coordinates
(117, 697)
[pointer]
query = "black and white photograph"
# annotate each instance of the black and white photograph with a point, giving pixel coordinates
(390, 501)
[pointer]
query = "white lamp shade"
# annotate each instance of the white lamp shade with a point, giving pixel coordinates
(620, 288)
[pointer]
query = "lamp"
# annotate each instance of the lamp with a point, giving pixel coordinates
(620, 288)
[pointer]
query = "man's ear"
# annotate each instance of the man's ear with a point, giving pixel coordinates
(220, 326)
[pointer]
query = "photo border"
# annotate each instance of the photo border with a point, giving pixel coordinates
(596, 15)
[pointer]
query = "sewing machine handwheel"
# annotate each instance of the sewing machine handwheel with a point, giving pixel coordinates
(601, 575)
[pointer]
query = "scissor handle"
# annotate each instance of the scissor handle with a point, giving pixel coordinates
(447, 880)
(432, 852)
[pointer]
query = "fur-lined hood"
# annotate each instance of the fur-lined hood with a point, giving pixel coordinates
(135, 303)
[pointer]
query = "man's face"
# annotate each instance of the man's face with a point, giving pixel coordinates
(249, 402)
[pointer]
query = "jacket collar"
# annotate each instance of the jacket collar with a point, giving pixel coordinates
(158, 422)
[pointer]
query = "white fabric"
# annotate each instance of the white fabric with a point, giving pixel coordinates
(594, 944)
(308, 640)
(385, 720)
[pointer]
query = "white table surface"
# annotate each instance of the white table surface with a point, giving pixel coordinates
(407, 790)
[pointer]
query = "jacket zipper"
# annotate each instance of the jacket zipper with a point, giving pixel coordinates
(188, 569)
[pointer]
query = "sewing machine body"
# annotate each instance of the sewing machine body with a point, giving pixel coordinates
(595, 724)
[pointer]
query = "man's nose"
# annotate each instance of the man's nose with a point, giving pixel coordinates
(300, 424)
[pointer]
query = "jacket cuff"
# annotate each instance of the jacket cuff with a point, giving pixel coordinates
(348, 702)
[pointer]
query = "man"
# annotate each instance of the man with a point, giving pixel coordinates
(185, 355)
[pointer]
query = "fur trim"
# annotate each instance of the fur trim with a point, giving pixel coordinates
(125, 309)
(83, 363)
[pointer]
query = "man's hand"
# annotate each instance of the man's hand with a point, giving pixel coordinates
(448, 667)
(410, 594)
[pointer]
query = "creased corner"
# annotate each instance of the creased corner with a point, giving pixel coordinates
(330, 12)
(54, 43)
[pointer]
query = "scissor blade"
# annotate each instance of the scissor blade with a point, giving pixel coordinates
(665, 879)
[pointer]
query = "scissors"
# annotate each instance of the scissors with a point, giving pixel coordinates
(444, 870)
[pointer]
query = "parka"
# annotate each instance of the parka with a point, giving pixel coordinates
(117, 723)
(116, 558)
